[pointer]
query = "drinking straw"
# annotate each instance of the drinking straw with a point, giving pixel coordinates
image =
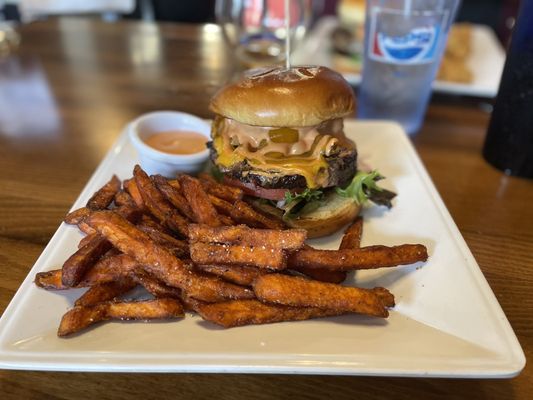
(287, 35)
(407, 7)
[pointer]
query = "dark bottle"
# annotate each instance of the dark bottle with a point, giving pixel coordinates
(509, 141)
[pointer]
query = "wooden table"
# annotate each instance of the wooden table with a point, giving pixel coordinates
(68, 92)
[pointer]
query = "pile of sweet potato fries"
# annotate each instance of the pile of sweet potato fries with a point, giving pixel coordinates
(195, 244)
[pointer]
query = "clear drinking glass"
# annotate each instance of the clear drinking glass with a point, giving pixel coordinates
(9, 38)
(256, 28)
(404, 43)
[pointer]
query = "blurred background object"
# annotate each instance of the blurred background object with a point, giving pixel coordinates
(256, 30)
(509, 142)
(32, 9)
(454, 64)
(472, 63)
(498, 14)
(184, 11)
(9, 38)
(347, 37)
(404, 42)
(478, 20)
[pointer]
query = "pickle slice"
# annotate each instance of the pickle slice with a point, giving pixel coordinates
(283, 135)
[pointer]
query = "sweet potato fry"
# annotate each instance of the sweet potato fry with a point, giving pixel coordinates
(192, 304)
(87, 238)
(243, 213)
(363, 258)
(154, 286)
(211, 186)
(352, 236)
(247, 312)
(201, 207)
(81, 317)
(226, 220)
(102, 198)
(109, 269)
(174, 196)
(322, 274)
(177, 247)
(131, 187)
(224, 207)
(86, 228)
(153, 199)
(302, 292)
(76, 216)
(386, 297)
(105, 292)
(156, 203)
(78, 263)
(148, 220)
(160, 262)
(260, 256)
(290, 239)
(350, 240)
(239, 274)
(50, 280)
(267, 221)
(175, 184)
(122, 198)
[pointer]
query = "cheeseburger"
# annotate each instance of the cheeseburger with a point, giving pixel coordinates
(278, 135)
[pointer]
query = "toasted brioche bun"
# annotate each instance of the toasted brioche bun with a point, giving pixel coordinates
(336, 212)
(277, 97)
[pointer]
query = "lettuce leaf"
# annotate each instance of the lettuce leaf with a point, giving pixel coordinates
(364, 187)
(297, 203)
(307, 195)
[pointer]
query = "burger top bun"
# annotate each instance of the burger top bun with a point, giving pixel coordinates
(279, 97)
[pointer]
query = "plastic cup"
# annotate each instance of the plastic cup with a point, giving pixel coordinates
(404, 44)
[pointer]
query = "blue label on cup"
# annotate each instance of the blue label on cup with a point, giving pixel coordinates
(415, 43)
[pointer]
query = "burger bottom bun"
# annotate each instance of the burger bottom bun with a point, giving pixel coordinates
(335, 213)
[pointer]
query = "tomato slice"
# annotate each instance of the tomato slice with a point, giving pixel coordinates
(258, 191)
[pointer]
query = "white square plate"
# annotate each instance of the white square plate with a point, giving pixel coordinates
(486, 59)
(447, 321)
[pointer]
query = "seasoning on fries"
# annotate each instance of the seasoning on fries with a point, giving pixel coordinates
(252, 312)
(81, 317)
(202, 209)
(105, 291)
(261, 257)
(301, 292)
(363, 258)
(154, 286)
(352, 236)
(77, 216)
(239, 274)
(228, 193)
(105, 195)
(160, 208)
(291, 239)
(160, 262)
(195, 243)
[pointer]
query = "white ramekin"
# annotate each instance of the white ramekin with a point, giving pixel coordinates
(157, 162)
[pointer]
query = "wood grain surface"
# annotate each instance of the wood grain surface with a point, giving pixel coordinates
(74, 84)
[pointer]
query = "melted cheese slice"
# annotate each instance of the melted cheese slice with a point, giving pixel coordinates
(235, 142)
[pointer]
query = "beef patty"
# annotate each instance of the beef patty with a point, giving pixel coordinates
(341, 169)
